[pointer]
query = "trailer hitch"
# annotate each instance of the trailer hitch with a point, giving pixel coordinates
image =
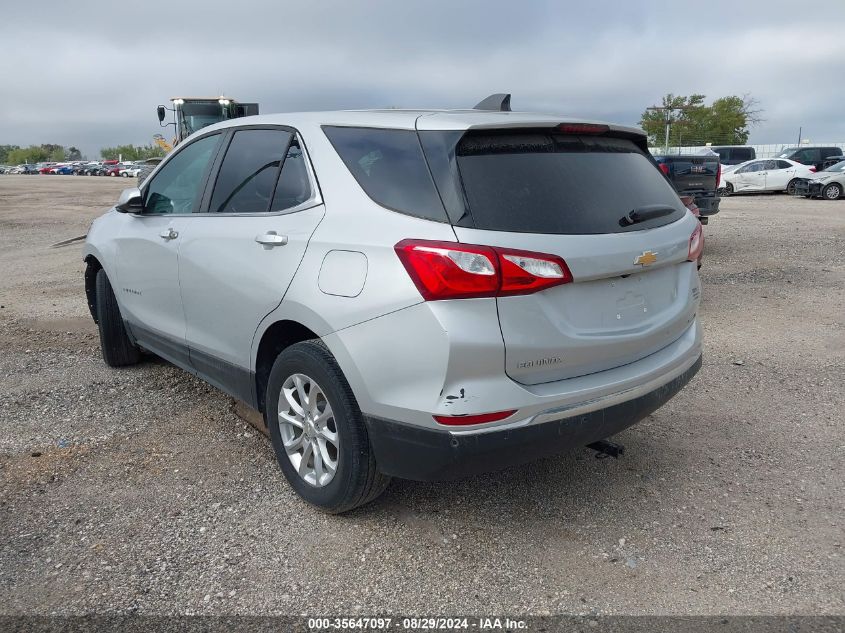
(605, 449)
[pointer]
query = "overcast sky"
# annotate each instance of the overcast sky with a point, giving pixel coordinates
(90, 74)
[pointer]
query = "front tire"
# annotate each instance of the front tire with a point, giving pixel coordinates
(118, 350)
(318, 432)
(729, 189)
(832, 192)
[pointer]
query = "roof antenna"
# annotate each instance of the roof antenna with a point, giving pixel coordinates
(499, 102)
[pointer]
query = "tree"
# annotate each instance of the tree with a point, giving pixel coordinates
(132, 152)
(73, 153)
(31, 154)
(725, 121)
(5, 150)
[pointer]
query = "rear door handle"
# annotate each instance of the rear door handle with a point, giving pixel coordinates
(270, 239)
(169, 234)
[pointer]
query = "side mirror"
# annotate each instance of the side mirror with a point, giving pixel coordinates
(161, 113)
(130, 201)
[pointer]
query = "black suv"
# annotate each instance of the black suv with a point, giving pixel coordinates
(734, 155)
(815, 156)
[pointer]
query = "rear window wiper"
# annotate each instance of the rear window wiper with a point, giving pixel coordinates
(647, 212)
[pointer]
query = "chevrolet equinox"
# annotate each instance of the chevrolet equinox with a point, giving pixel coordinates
(416, 294)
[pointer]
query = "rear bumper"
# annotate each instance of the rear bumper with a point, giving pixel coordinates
(423, 454)
(708, 204)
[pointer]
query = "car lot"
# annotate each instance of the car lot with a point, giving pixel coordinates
(142, 490)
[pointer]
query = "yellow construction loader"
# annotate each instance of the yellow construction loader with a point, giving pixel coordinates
(189, 115)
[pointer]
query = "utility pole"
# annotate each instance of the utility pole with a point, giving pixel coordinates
(668, 118)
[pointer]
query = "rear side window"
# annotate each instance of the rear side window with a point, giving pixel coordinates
(550, 183)
(249, 171)
(742, 153)
(294, 186)
(390, 167)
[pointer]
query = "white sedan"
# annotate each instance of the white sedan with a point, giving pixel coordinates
(769, 174)
(130, 171)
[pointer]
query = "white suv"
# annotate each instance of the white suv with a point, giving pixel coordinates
(420, 294)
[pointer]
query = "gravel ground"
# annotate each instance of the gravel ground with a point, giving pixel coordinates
(140, 490)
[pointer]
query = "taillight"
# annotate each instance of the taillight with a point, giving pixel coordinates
(696, 244)
(463, 420)
(450, 270)
(718, 173)
(813, 169)
(664, 167)
(524, 272)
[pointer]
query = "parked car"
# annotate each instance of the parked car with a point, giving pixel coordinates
(828, 183)
(111, 170)
(128, 171)
(25, 169)
(829, 162)
(689, 203)
(89, 169)
(734, 154)
(45, 169)
(62, 170)
(768, 174)
(696, 175)
(465, 297)
(815, 156)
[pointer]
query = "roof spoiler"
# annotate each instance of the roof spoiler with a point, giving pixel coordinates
(499, 102)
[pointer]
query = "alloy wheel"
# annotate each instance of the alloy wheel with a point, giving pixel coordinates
(308, 430)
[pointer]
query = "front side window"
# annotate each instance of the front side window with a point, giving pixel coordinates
(249, 171)
(804, 156)
(175, 187)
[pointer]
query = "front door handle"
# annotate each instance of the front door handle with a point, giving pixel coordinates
(169, 234)
(270, 239)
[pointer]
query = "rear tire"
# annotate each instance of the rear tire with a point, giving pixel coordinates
(356, 479)
(790, 187)
(832, 192)
(118, 350)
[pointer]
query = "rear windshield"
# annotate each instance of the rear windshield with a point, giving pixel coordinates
(534, 182)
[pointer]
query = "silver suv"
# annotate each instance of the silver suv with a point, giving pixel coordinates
(418, 294)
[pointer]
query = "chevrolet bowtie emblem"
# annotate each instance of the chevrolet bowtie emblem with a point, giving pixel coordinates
(646, 259)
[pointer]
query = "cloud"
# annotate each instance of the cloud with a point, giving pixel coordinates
(88, 75)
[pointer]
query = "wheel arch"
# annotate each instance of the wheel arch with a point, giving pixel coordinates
(93, 266)
(277, 337)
